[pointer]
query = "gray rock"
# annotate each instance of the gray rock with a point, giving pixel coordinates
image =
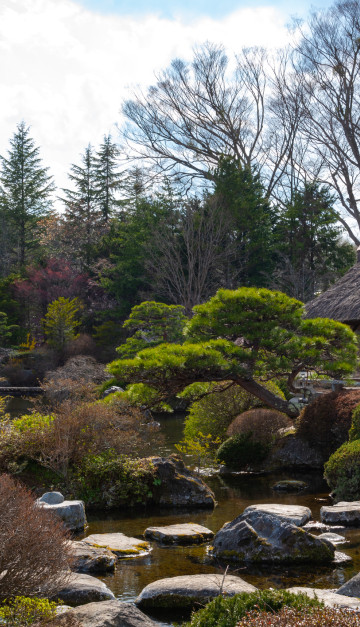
(177, 486)
(111, 390)
(315, 525)
(341, 558)
(72, 513)
(190, 590)
(52, 498)
(118, 543)
(290, 485)
(104, 614)
(295, 514)
(187, 533)
(351, 588)
(81, 589)
(334, 538)
(343, 513)
(89, 559)
(329, 597)
(261, 537)
(294, 453)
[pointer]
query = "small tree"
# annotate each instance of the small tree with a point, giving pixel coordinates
(60, 322)
(247, 336)
(6, 330)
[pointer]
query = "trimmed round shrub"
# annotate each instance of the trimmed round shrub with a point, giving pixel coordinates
(240, 451)
(342, 472)
(262, 423)
(214, 413)
(310, 617)
(227, 611)
(326, 422)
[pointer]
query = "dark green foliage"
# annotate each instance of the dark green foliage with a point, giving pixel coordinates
(106, 177)
(354, 433)
(342, 472)
(325, 423)
(109, 480)
(241, 450)
(226, 612)
(6, 330)
(24, 198)
(311, 253)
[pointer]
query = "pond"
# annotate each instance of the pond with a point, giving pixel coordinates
(233, 494)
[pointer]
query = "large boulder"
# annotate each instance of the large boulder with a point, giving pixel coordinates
(177, 486)
(91, 559)
(186, 533)
(72, 513)
(261, 537)
(295, 514)
(351, 588)
(292, 452)
(190, 590)
(119, 543)
(330, 598)
(343, 513)
(81, 589)
(104, 614)
(52, 498)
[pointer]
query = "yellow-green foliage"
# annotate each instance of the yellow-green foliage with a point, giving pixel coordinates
(61, 321)
(214, 413)
(23, 611)
(354, 433)
(32, 422)
(342, 472)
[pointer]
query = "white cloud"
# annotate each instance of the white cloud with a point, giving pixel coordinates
(65, 70)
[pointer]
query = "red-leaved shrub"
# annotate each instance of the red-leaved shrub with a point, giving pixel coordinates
(262, 423)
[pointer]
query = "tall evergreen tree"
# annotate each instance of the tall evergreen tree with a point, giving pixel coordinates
(83, 219)
(107, 177)
(25, 196)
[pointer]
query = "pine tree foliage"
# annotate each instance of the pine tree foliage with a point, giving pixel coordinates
(61, 321)
(107, 177)
(25, 194)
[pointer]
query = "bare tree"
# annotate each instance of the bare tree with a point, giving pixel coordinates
(327, 62)
(190, 255)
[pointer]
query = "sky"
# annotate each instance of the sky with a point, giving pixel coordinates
(67, 65)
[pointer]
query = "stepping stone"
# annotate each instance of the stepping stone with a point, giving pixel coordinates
(351, 588)
(296, 514)
(290, 485)
(81, 589)
(72, 513)
(89, 559)
(104, 614)
(329, 597)
(314, 525)
(344, 513)
(334, 538)
(190, 590)
(123, 546)
(186, 533)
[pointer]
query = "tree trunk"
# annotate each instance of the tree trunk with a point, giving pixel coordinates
(270, 399)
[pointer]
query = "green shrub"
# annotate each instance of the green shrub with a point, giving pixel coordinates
(310, 617)
(213, 414)
(23, 611)
(342, 471)
(109, 480)
(240, 451)
(354, 433)
(227, 611)
(325, 423)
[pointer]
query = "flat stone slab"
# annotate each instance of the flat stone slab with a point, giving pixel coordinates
(89, 559)
(329, 597)
(343, 513)
(334, 538)
(290, 485)
(315, 525)
(72, 513)
(351, 588)
(296, 514)
(104, 614)
(190, 590)
(120, 544)
(81, 589)
(261, 537)
(186, 533)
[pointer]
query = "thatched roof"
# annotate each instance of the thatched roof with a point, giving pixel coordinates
(341, 301)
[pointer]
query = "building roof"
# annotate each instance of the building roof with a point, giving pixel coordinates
(341, 301)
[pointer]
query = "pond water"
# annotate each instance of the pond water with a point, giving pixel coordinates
(233, 494)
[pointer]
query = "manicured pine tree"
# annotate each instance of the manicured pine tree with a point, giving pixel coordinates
(25, 196)
(107, 177)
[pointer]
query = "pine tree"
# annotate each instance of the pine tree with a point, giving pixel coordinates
(25, 195)
(83, 219)
(107, 177)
